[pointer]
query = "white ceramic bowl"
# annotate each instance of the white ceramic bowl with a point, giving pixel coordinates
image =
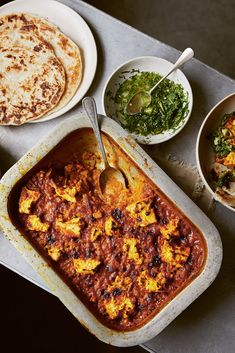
(151, 64)
(204, 152)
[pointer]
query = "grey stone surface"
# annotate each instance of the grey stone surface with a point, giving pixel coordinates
(208, 325)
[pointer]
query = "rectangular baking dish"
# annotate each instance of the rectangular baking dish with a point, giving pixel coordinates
(168, 187)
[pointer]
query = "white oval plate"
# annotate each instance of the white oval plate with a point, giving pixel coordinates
(151, 64)
(205, 155)
(71, 24)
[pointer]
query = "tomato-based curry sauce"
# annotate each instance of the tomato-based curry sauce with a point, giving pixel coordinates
(125, 257)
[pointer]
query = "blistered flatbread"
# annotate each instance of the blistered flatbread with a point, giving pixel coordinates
(68, 53)
(35, 34)
(30, 84)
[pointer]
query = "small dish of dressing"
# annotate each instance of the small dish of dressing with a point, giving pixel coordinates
(170, 106)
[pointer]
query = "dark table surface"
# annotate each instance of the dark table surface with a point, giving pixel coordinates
(35, 321)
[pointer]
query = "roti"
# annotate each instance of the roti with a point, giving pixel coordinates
(48, 47)
(31, 84)
(17, 31)
(66, 51)
(32, 79)
(38, 34)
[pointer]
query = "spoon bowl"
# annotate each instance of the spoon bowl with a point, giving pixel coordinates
(111, 180)
(139, 101)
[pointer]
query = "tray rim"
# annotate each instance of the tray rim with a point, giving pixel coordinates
(167, 186)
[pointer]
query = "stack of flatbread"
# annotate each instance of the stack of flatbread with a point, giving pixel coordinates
(40, 68)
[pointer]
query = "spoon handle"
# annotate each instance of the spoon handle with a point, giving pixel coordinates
(184, 57)
(89, 106)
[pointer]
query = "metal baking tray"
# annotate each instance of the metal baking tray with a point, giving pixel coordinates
(168, 187)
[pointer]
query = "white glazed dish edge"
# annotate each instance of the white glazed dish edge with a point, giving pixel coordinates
(151, 64)
(78, 30)
(56, 284)
(205, 160)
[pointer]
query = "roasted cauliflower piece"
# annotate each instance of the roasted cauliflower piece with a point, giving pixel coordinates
(27, 198)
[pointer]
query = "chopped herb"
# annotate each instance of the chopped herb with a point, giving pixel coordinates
(223, 143)
(226, 178)
(222, 138)
(122, 76)
(167, 110)
(109, 93)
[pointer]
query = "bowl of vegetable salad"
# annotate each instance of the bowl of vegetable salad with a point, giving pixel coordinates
(170, 106)
(215, 151)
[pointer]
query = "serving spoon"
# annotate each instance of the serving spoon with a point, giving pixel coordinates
(142, 99)
(109, 173)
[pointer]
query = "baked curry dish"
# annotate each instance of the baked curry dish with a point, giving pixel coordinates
(125, 258)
